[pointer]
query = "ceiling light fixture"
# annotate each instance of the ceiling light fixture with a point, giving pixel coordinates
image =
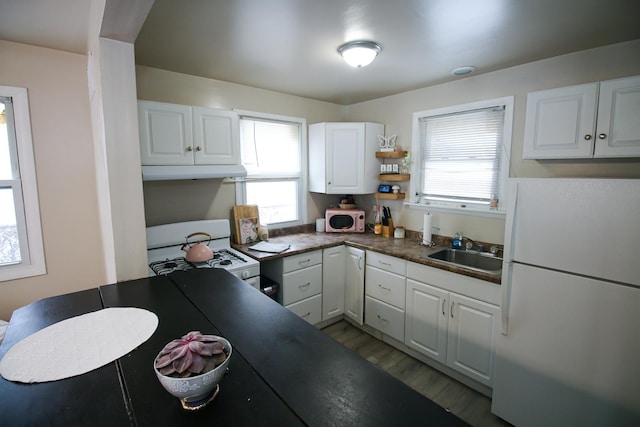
(461, 71)
(359, 53)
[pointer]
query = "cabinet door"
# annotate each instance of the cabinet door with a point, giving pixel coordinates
(345, 158)
(354, 284)
(560, 123)
(333, 270)
(473, 329)
(426, 320)
(165, 133)
(618, 129)
(216, 137)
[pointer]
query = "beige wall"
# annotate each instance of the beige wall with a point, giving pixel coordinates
(62, 139)
(167, 202)
(594, 65)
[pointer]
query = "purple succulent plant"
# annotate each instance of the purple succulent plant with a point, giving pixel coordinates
(192, 354)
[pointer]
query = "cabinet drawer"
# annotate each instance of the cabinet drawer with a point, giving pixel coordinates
(386, 263)
(296, 262)
(384, 317)
(309, 309)
(387, 287)
(301, 284)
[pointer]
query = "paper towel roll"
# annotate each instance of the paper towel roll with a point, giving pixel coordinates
(426, 229)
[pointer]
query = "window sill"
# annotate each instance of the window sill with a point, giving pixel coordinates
(482, 212)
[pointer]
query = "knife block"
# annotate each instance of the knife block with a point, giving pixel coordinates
(387, 230)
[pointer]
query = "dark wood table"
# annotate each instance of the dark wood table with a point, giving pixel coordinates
(283, 371)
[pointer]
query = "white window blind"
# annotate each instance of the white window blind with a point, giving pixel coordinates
(270, 148)
(460, 156)
(272, 155)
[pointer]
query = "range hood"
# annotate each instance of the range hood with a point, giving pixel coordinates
(166, 173)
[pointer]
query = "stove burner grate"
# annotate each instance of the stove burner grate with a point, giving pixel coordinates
(221, 258)
(167, 266)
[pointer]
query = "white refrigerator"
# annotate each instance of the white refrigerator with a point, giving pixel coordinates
(569, 352)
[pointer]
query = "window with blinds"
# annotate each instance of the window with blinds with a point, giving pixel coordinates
(271, 151)
(463, 155)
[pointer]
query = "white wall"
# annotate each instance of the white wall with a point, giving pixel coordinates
(63, 149)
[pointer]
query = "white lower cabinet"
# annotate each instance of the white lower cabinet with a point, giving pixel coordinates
(309, 309)
(300, 279)
(426, 321)
(456, 330)
(333, 281)
(354, 284)
(385, 294)
(471, 344)
(384, 317)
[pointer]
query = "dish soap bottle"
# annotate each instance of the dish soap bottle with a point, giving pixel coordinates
(493, 203)
(456, 243)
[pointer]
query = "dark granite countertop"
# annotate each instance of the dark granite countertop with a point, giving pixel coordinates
(409, 249)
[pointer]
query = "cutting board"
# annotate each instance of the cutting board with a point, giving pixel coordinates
(243, 212)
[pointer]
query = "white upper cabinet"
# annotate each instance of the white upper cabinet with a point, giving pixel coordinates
(342, 157)
(216, 137)
(618, 129)
(173, 134)
(584, 121)
(166, 133)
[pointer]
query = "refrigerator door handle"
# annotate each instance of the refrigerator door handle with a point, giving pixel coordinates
(509, 247)
(505, 303)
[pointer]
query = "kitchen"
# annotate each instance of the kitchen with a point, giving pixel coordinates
(86, 216)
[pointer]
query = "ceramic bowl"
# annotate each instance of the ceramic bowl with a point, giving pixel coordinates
(195, 390)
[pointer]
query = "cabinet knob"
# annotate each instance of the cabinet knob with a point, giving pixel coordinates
(587, 137)
(198, 148)
(602, 136)
(189, 148)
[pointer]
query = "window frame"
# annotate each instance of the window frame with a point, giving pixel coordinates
(26, 204)
(240, 188)
(505, 160)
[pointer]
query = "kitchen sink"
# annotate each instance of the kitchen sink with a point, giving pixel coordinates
(474, 260)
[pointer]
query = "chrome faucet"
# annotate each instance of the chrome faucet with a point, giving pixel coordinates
(471, 243)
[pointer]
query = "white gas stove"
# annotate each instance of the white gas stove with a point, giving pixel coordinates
(165, 254)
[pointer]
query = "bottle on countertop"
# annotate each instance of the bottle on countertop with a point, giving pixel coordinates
(377, 223)
(493, 203)
(456, 242)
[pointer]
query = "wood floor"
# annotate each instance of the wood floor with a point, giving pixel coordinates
(466, 403)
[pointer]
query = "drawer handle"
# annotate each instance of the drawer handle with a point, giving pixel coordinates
(382, 319)
(384, 288)
(384, 263)
(306, 315)
(304, 261)
(304, 286)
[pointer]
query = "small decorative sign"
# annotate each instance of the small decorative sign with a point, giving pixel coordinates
(387, 143)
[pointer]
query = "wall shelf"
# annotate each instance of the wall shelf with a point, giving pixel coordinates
(390, 196)
(395, 177)
(391, 154)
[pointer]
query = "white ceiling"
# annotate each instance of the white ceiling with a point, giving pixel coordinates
(290, 45)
